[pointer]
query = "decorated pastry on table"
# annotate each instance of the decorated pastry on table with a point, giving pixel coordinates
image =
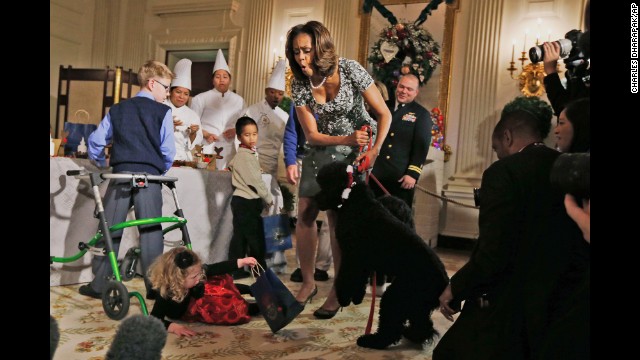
(213, 158)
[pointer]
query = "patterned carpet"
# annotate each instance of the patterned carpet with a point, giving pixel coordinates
(86, 331)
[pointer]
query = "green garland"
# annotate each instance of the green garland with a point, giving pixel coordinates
(417, 53)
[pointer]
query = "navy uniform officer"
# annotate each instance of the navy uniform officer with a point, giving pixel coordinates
(405, 149)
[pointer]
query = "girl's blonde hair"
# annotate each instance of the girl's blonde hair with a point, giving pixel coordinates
(167, 277)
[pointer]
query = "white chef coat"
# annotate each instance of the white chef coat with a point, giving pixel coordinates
(217, 114)
(271, 124)
(181, 134)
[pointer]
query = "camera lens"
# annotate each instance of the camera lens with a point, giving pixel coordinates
(536, 53)
(565, 47)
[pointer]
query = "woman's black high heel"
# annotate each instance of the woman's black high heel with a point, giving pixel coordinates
(326, 314)
(310, 297)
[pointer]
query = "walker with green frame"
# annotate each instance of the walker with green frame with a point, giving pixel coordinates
(116, 297)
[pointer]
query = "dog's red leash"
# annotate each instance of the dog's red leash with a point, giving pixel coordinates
(364, 163)
(367, 330)
(363, 167)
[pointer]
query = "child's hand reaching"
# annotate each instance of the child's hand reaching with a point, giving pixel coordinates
(249, 261)
(181, 330)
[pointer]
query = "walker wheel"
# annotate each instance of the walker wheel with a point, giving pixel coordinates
(115, 300)
(128, 266)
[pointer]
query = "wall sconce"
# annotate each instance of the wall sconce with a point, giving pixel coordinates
(277, 55)
(531, 78)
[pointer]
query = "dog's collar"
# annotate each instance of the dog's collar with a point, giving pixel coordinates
(350, 184)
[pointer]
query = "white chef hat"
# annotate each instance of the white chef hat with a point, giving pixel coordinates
(276, 81)
(221, 63)
(182, 70)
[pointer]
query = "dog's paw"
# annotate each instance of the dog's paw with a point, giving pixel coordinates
(345, 301)
(357, 298)
(420, 336)
(411, 334)
(375, 341)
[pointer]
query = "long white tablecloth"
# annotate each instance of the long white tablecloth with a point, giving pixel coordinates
(205, 197)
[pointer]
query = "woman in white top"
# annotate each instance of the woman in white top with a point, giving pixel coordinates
(186, 123)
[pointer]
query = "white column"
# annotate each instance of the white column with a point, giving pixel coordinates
(477, 114)
(99, 57)
(118, 38)
(134, 43)
(336, 19)
(259, 55)
(480, 88)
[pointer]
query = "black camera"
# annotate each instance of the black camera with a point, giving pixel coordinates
(571, 174)
(568, 48)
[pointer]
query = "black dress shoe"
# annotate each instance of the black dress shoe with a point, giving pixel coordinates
(326, 314)
(310, 297)
(320, 275)
(87, 290)
(296, 276)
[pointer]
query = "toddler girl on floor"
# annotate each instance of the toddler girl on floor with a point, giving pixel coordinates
(177, 277)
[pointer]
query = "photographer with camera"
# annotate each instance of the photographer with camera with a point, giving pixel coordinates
(576, 63)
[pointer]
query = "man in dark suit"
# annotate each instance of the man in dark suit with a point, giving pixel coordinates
(520, 251)
(404, 150)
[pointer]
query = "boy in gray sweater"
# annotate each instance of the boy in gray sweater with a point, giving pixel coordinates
(250, 196)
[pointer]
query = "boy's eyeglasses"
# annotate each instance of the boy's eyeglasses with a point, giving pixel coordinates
(166, 87)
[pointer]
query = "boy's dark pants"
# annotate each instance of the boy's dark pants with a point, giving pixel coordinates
(248, 233)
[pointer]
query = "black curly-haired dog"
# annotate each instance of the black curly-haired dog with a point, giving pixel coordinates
(372, 238)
